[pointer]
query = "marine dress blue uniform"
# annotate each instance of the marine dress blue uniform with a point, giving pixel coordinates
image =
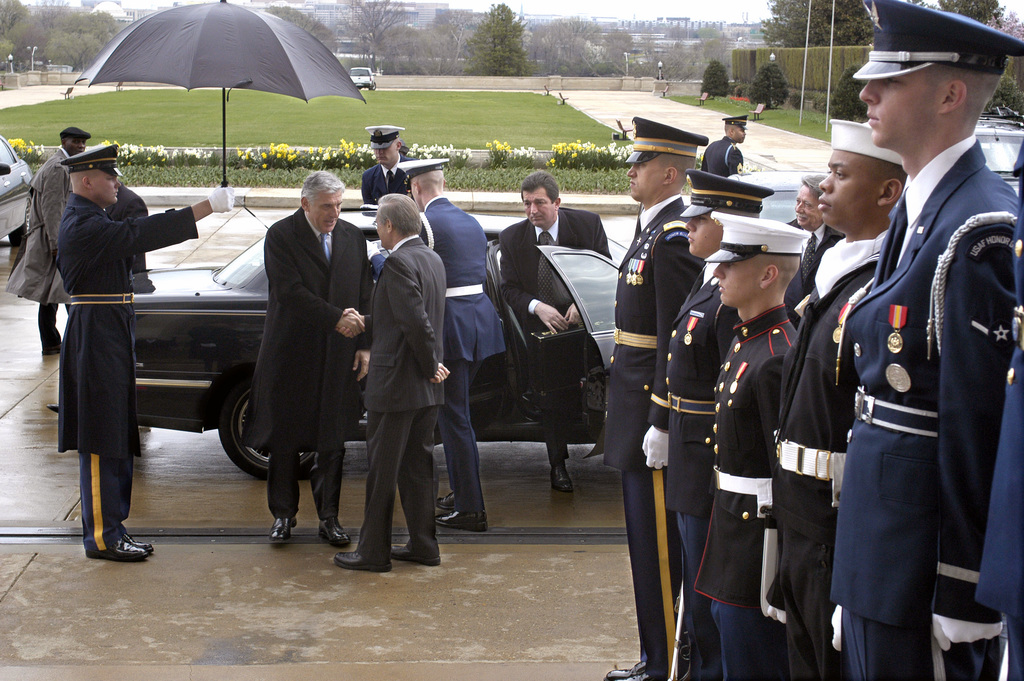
(97, 367)
(654, 278)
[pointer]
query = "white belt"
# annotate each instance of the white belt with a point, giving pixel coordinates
(458, 291)
(808, 461)
(755, 487)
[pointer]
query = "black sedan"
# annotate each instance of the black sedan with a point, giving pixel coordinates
(198, 333)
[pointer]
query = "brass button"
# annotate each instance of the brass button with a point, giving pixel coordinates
(1018, 248)
(727, 365)
(666, 380)
(856, 349)
(716, 449)
(673, 333)
(746, 516)
(729, 403)
(707, 441)
(774, 331)
(670, 356)
(718, 407)
(612, 359)
(620, 275)
(744, 331)
(647, 387)
(1009, 376)
(737, 347)
(714, 429)
(721, 387)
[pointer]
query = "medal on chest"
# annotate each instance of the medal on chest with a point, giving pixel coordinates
(736, 382)
(634, 274)
(897, 318)
(690, 325)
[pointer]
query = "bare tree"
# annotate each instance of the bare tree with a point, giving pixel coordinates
(370, 23)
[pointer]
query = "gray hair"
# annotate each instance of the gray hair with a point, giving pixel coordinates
(401, 211)
(813, 183)
(540, 180)
(321, 182)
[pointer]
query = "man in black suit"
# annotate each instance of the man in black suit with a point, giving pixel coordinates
(551, 309)
(823, 237)
(304, 395)
(403, 392)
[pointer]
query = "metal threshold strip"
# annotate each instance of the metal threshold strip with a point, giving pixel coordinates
(577, 536)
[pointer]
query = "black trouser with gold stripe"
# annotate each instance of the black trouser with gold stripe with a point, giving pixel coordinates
(656, 561)
(106, 484)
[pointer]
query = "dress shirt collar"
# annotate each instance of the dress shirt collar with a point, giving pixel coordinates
(553, 231)
(316, 232)
(403, 241)
(439, 196)
(648, 214)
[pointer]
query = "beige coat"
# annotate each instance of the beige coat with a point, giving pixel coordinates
(35, 275)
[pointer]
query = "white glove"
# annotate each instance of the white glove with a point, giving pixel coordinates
(371, 250)
(222, 199)
(837, 628)
(656, 448)
(948, 631)
(776, 614)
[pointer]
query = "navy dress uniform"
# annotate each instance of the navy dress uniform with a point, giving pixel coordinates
(654, 278)
(472, 333)
(377, 181)
(724, 156)
(920, 461)
(746, 415)
(818, 388)
(97, 413)
(1001, 583)
(701, 337)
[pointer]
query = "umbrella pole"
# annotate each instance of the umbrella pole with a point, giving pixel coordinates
(224, 138)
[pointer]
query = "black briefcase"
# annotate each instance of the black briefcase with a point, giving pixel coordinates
(556, 359)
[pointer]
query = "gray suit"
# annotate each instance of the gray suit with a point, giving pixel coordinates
(405, 325)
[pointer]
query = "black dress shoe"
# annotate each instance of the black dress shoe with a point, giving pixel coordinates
(122, 552)
(447, 502)
(333, 533)
(624, 674)
(560, 480)
(52, 350)
(353, 561)
(282, 529)
(458, 520)
(148, 548)
(403, 553)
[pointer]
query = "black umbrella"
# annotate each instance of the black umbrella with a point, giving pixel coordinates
(225, 46)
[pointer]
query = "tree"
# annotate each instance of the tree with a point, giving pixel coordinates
(846, 102)
(1008, 94)
(78, 37)
(11, 12)
(769, 87)
(716, 79)
(1010, 24)
(979, 10)
(496, 48)
(370, 22)
(304, 21)
(787, 26)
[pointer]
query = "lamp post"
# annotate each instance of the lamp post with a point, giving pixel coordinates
(10, 62)
(660, 75)
(771, 57)
(625, 55)
(33, 67)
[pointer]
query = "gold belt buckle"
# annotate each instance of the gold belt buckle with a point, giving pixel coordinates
(828, 458)
(800, 449)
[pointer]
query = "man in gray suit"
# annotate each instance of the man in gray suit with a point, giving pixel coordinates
(403, 392)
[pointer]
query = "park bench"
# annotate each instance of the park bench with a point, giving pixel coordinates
(663, 91)
(757, 111)
(67, 93)
(703, 98)
(624, 134)
(547, 91)
(120, 85)
(563, 98)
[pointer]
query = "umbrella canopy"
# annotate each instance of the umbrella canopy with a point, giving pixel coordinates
(222, 45)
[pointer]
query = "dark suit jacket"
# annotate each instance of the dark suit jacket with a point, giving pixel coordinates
(799, 288)
(405, 326)
(304, 393)
(519, 254)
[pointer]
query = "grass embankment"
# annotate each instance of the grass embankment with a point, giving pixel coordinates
(783, 119)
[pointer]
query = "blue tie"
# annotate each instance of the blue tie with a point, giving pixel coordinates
(325, 239)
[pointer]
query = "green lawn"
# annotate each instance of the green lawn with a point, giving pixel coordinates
(178, 118)
(783, 119)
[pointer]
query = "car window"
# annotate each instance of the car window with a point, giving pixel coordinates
(780, 206)
(7, 154)
(592, 279)
(360, 72)
(1000, 151)
(240, 270)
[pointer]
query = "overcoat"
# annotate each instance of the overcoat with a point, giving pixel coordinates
(97, 360)
(35, 276)
(304, 393)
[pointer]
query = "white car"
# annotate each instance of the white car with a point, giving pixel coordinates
(362, 77)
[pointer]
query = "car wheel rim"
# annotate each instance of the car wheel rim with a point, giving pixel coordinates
(252, 454)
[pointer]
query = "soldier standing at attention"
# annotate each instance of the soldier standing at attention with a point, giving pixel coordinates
(756, 262)
(724, 156)
(931, 347)
(863, 185)
(656, 273)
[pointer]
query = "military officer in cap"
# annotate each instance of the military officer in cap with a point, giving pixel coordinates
(1001, 584)
(756, 262)
(385, 177)
(656, 273)
(97, 362)
(701, 337)
(724, 156)
(472, 333)
(35, 274)
(818, 388)
(930, 357)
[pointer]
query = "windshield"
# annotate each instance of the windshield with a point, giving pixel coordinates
(240, 270)
(1000, 151)
(360, 72)
(593, 281)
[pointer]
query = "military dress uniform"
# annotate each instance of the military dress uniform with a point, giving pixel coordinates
(1001, 583)
(654, 278)
(920, 461)
(375, 180)
(97, 414)
(724, 157)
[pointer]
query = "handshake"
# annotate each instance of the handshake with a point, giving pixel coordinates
(351, 323)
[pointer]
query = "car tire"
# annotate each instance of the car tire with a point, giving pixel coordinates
(229, 427)
(373, 87)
